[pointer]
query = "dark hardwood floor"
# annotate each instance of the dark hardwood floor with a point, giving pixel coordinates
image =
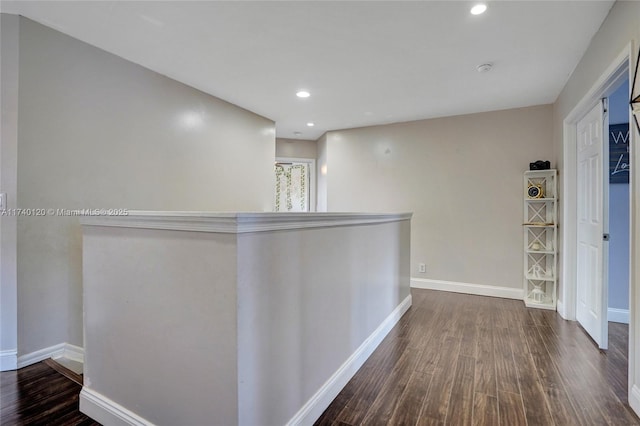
(41, 394)
(468, 360)
(452, 359)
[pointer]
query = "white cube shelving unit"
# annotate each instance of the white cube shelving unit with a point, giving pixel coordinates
(540, 238)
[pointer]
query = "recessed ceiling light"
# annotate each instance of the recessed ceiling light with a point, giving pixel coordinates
(303, 94)
(310, 124)
(478, 9)
(297, 134)
(484, 67)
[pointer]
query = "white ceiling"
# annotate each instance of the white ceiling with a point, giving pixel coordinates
(364, 62)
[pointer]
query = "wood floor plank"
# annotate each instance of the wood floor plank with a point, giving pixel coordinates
(439, 353)
(69, 374)
(573, 372)
(511, 409)
(428, 421)
(561, 407)
(375, 376)
(391, 392)
(460, 410)
(436, 403)
(506, 375)
(438, 395)
(328, 418)
(485, 410)
(409, 406)
(584, 369)
(468, 324)
(485, 371)
(536, 408)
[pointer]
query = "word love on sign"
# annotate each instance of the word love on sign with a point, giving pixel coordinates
(619, 153)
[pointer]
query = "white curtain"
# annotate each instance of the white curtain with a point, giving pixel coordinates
(292, 187)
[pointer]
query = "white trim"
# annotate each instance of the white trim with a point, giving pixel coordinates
(560, 309)
(9, 360)
(608, 80)
(618, 315)
(313, 202)
(605, 82)
(634, 398)
(316, 405)
(107, 412)
(54, 351)
(468, 288)
(72, 352)
(9, 101)
(61, 350)
(568, 242)
(237, 223)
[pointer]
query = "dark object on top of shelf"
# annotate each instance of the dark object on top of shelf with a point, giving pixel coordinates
(540, 165)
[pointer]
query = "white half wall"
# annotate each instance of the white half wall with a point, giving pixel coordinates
(270, 313)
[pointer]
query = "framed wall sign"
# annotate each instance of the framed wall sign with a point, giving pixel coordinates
(619, 153)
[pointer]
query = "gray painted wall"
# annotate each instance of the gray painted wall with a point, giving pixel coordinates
(321, 172)
(296, 148)
(97, 131)
(460, 176)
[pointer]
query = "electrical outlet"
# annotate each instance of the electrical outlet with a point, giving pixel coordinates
(422, 268)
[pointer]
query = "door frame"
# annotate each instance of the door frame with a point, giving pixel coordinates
(312, 177)
(614, 75)
(8, 180)
(621, 67)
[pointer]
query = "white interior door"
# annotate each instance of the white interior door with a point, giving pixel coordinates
(592, 296)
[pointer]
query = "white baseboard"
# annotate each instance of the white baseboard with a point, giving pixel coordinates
(61, 350)
(107, 412)
(316, 405)
(74, 353)
(634, 399)
(468, 288)
(39, 355)
(9, 360)
(560, 309)
(618, 315)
